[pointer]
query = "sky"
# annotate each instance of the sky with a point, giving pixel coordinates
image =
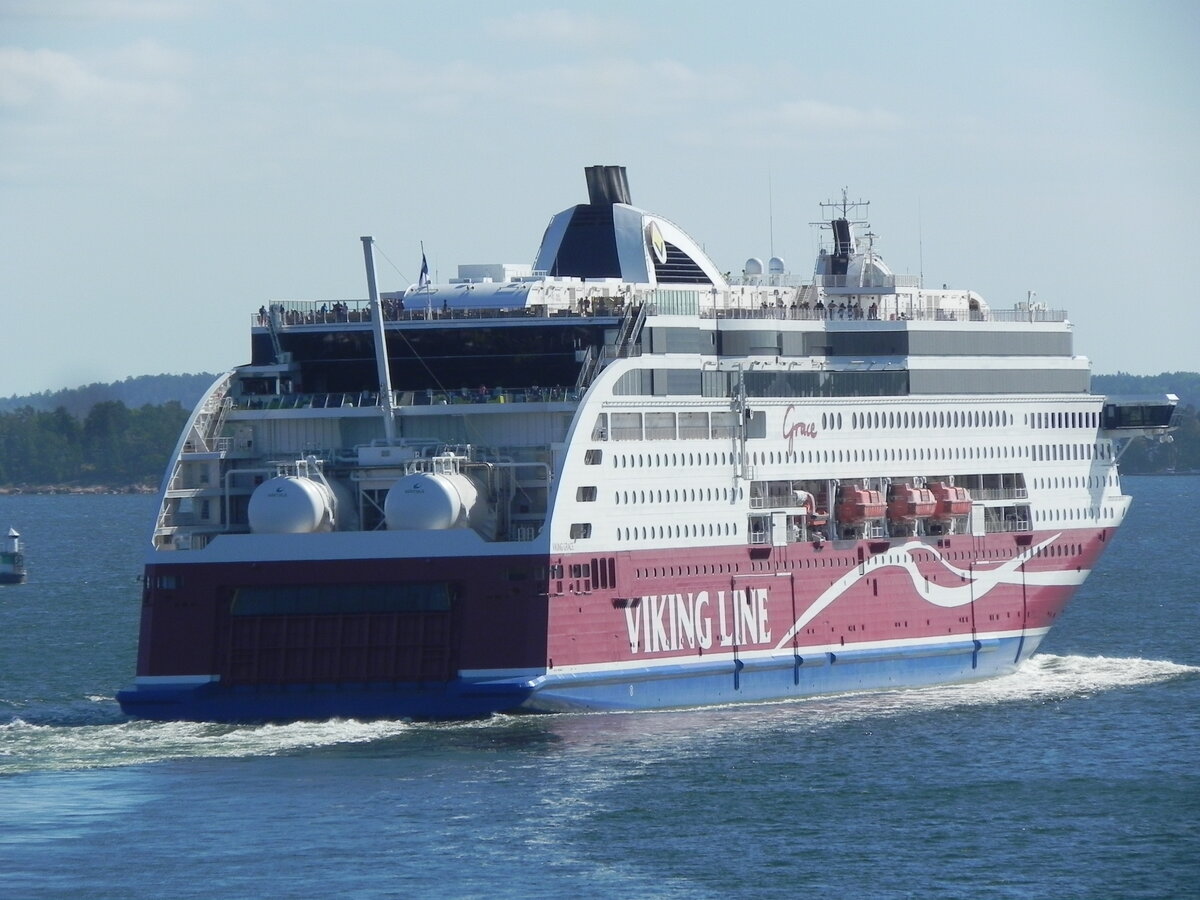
(168, 166)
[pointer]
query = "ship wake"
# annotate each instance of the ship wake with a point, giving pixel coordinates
(29, 746)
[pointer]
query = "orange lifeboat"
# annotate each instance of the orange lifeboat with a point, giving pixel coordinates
(808, 503)
(909, 502)
(951, 500)
(858, 504)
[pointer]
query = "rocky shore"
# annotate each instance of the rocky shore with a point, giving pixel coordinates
(8, 489)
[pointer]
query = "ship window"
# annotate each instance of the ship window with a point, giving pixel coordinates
(317, 599)
(659, 426)
(581, 530)
(626, 426)
(600, 429)
(593, 457)
(693, 426)
(723, 424)
(585, 493)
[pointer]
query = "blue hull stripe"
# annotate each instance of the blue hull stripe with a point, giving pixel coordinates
(695, 683)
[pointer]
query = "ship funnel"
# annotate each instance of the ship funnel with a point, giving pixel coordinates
(843, 238)
(843, 244)
(607, 185)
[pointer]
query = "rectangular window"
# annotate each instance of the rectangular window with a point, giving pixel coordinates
(593, 457)
(660, 426)
(724, 424)
(760, 529)
(581, 530)
(585, 493)
(600, 429)
(332, 599)
(693, 426)
(626, 426)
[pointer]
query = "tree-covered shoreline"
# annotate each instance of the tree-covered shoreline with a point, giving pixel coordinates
(111, 446)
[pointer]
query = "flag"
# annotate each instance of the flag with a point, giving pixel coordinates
(423, 279)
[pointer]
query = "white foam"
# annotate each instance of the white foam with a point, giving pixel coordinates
(1042, 678)
(30, 747)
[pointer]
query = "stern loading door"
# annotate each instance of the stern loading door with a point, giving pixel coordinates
(285, 635)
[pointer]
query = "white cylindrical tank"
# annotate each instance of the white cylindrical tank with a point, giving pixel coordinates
(425, 501)
(287, 504)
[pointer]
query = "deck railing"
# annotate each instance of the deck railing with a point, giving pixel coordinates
(301, 313)
(405, 398)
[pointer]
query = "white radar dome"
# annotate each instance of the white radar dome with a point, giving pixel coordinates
(423, 501)
(754, 266)
(290, 505)
(775, 266)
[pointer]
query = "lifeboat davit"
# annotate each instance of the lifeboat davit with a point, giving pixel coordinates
(909, 502)
(950, 500)
(859, 504)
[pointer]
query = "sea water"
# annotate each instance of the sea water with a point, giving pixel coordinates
(1079, 776)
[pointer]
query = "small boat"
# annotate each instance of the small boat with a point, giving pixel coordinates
(910, 502)
(12, 561)
(951, 500)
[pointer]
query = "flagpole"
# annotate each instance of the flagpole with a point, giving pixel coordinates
(423, 282)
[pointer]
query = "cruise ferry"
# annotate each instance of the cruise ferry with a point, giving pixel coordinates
(620, 478)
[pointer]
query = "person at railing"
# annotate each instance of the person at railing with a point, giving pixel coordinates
(873, 311)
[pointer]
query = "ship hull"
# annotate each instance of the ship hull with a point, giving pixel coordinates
(689, 628)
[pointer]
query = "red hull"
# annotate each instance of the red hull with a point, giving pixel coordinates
(504, 614)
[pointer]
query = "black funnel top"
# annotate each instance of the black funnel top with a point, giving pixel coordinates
(607, 185)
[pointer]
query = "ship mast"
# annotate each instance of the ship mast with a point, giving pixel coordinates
(386, 406)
